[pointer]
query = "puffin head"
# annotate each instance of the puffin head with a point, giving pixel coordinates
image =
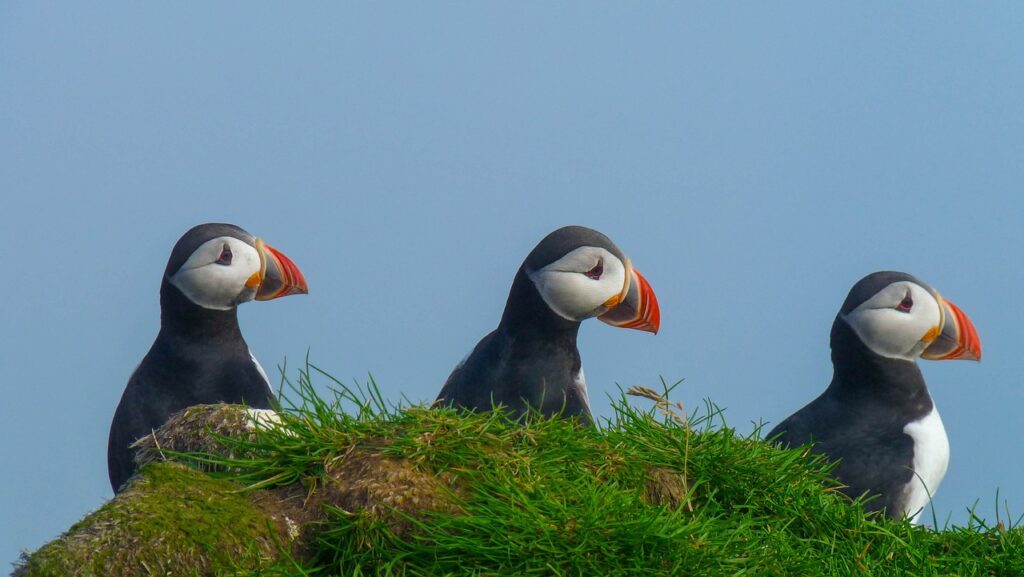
(899, 317)
(580, 273)
(219, 266)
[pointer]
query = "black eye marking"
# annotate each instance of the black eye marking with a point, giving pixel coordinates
(225, 256)
(906, 304)
(596, 272)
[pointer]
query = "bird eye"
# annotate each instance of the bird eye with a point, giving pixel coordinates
(906, 304)
(596, 272)
(225, 256)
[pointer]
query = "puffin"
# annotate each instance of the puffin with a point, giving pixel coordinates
(199, 355)
(530, 361)
(877, 418)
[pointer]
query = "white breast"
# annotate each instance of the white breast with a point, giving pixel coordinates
(259, 368)
(580, 383)
(931, 457)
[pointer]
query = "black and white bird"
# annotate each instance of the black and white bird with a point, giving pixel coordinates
(531, 359)
(877, 418)
(199, 355)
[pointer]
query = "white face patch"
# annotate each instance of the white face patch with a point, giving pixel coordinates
(931, 458)
(213, 285)
(568, 290)
(891, 332)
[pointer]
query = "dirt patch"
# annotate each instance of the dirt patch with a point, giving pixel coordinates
(668, 487)
(385, 488)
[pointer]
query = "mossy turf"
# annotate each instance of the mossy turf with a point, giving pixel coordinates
(172, 520)
(417, 491)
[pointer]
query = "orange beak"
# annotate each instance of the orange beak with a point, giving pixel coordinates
(637, 308)
(958, 338)
(278, 276)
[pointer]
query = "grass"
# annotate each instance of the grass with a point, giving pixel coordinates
(407, 490)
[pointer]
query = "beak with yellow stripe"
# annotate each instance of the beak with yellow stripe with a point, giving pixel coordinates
(954, 338)
(636, 307)
(278, 275)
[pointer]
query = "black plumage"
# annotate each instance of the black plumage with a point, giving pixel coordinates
(531, 361)
(860, 419)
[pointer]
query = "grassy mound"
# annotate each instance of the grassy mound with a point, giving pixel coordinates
(172, 520)
(415, 491)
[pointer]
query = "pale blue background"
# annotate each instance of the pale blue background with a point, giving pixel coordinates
(753, 160)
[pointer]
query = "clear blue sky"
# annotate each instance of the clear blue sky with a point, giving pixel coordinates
(753, 161)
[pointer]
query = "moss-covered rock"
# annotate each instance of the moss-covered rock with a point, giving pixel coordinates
(202, 429)
(171, 520)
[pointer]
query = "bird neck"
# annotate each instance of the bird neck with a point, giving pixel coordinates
(862, 374)
(528, 316)
(182, 319)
